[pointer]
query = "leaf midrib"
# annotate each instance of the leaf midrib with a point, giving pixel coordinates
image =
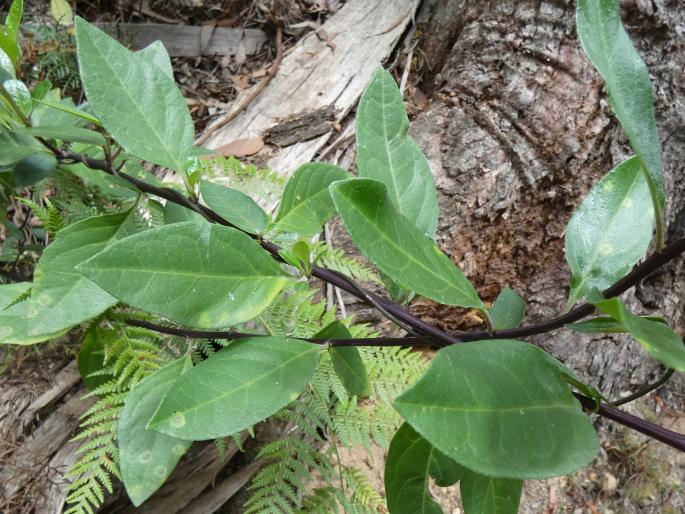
(241, 387)
(142, 112)
(382, 234)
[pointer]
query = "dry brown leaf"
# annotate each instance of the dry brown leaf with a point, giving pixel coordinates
(241, 147)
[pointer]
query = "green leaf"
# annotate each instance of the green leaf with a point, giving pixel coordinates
(487, 495)
(606, 325)
(15, 147)
(347, 361)
(7, 70)
(198, 275)
(67, 107)
(397, 247)
(33, 169)
(148, 457)
(661, 342)
(20, 94)
(175, 213)
(386, 153)
(138, 104)
(411, 462)
(9, 34)
(610, 231)
(41, 89)
(235, 207)
(65, 133)
(306, 203)
(14, 327)
(63, 298)
(609, 48)
(237, 387)
(508, 310)
(62, 12)
(500, 408)
(155, 53)
(91, 358)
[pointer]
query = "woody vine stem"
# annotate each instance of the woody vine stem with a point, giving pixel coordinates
(424, 334)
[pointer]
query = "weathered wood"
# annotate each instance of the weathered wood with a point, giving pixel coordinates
(315, 75)
(219, 494)
(67, 378)
(29, 460)
(301, 127)
(187, 40)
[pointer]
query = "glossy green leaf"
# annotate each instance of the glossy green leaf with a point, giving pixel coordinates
(500, 408)
(14, 326)
(411, 462)
(235, 207)
(347, 361)
(661, 342)
(9, 33)
(91, 358)
(606, 325)
(306, 204)
(63, 298)
(386, 153)
(20, 94)
(33, 169)
(508, 310)
(148, 457)
(609, 48)
(397, 247)
(137, 103)
(610, 231)
(237, 387)
(198, 275)
(65, 133)
(487, 495)
(155, 53)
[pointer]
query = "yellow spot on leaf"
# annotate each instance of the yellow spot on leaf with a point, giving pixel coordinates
(606, 249)
(177, 420)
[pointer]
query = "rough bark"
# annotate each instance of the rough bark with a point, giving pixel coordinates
(518, 132)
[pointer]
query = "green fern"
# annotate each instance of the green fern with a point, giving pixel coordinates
(337, 260)
(295, 313)
(49, 216)
(130, 354)
(262, 184)
(326, 416)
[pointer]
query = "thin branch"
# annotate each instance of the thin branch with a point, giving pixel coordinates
(439, 337)
(649, 265)
(230, 334)
(645, 390)
(652, 430)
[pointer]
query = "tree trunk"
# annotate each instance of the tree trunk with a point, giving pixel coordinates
(518, 131)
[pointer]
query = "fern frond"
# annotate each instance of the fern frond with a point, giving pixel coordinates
(49, 216)
(294, 313)
(129, 356)
(337, 260)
